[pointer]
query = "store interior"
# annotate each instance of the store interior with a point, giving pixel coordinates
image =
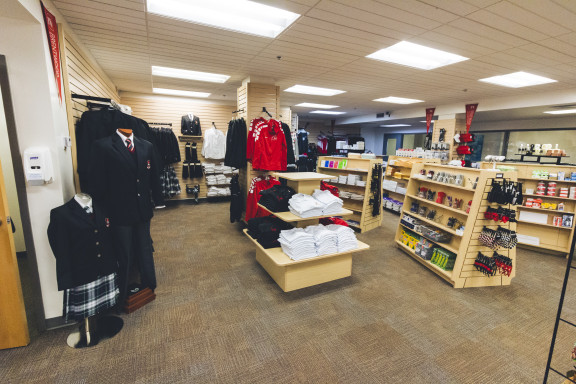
(279, 192)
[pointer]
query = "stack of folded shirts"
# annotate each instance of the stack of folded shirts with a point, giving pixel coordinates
(325, 240)
(361, 183)
(215, 191)
(352, 179)
(346, 237)
(297, 244)
(342, 179)
(332, 205)
(208, 168)
(356, 196)
(305, 206)
(266, 230)
(345, 194)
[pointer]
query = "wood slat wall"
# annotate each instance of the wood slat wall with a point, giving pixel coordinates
(170, 110)
(252, 97)
(83, 76)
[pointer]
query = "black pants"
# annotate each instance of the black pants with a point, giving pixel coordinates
(134, 246)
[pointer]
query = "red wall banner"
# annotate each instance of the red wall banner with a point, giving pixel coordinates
(470, 110)
(52, 34)
(429, 116)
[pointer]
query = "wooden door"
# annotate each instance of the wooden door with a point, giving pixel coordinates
(13, 325)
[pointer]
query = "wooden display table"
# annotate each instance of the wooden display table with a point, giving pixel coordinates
(296, 274)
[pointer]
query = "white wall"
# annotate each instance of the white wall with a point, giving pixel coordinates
(41, 121)
(374, 139)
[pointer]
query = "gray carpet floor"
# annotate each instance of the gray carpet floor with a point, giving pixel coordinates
(219, 318)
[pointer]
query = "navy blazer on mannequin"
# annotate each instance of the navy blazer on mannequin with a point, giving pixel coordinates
(127, 184)
(81, 243)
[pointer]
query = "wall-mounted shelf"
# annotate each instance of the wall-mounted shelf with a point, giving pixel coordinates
(435, 204)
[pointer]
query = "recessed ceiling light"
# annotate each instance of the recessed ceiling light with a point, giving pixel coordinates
(398, 100)
(396, 125)
(518, 80)
(561, 111)
(312, 105)
(189, 75)
(234, 15)
(417, 56)
(329, 112)
(313, 90)
(177, 92)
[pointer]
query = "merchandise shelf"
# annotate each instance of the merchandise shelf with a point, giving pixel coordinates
(464, 244)
(360, 207)
(426, 180)
(544, 225)
(544, 210)
(290, 217)
(446, 275)
(548, 197)
(455, 210)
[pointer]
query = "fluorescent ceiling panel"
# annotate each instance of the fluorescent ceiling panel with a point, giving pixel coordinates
(396, 125)
(416, 56)
(328, 112)
(561, 111)
(188, 75)
(312, 105)
(234, 15)
(518, 80)
(398, 100)
(177, 92)
(313, 90)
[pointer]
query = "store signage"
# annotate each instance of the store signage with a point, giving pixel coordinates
(429, 115)
(499, 175)
(52, 34)
(470, 110)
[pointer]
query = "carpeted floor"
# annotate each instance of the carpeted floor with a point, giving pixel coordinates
(219, 318)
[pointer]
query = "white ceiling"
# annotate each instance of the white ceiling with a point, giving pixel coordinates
(327, 45)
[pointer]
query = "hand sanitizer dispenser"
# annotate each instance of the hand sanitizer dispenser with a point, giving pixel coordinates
(38, 166)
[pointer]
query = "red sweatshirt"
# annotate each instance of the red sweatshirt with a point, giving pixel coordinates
(257, 185)
(269, 147)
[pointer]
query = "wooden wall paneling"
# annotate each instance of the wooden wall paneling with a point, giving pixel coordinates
(252, 97)
(80, 75)
(161, 109)
(452, 126)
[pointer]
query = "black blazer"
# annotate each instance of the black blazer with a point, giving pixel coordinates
(81, 244)
(128, 185)
(191, 126)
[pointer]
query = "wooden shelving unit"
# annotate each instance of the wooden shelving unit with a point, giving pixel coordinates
(464, 244)
(549, 238)
(402, 165)
(362, 209)
(291, 274)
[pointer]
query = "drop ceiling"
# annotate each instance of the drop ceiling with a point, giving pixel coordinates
(327, 45)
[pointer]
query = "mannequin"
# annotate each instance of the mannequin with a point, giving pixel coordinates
(86, 266)
(125, 180)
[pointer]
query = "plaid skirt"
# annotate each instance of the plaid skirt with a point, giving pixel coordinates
(90, 299)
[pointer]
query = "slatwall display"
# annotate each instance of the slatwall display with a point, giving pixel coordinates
(161, 109)
(465, 245)
(252, 97)
(81, 75)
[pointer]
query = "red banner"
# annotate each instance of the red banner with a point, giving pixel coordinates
(429, 116)
(52, 33)
(470, 110)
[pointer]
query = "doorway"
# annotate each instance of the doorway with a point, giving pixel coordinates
(392, 142)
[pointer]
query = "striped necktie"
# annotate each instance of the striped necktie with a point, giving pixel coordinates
(129, 145)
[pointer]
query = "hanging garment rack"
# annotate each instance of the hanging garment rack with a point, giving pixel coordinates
(168, 124)
(264, 110)
(96, 98)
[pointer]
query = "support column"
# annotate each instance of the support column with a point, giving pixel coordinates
(452, 126)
